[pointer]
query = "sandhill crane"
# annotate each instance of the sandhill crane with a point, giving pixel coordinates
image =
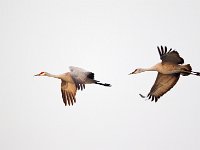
(73, 80)
(169, 71)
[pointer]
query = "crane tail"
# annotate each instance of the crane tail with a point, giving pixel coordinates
(104, 84)
(196, 73)
(185, 73)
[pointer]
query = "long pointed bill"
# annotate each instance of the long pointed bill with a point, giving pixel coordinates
(130, 73)
(37, 75)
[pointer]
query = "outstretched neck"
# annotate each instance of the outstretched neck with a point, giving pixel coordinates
(153, 68)
(52, 75)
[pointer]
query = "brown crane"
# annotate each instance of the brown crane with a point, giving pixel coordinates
(169, 71)
(73, 80)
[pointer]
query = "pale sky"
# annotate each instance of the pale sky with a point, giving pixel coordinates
(110, 38)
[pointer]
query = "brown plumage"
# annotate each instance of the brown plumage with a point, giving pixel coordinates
(73, 81)
(68, 90)
(169, 71)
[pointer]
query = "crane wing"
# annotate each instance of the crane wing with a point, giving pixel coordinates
(81, 77)
(76, 69)
(171, 56)
(68, 91)
(163, 83)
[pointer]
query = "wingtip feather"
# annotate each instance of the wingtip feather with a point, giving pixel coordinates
(142, 96)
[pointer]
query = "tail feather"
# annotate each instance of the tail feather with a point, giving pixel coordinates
(90, 75)
(196, 73)
(104, 84)
(187, 68)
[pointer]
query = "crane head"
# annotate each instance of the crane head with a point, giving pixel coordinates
(41, 74)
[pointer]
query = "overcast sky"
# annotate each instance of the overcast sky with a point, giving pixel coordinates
(110, 38)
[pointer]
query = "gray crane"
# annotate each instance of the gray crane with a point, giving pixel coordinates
(73, 81)
(169, 71)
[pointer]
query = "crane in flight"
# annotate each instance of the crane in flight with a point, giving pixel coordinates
(73, 81)
(169, 71)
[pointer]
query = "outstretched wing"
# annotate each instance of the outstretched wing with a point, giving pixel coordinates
(68, 91)
(81, 77)
(77, 69)
(171, 56)
(163, 83)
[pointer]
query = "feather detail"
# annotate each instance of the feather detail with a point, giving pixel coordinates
(170, 56)
(163, 83)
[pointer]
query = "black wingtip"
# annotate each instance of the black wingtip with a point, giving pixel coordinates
(150, 97)
(142, 96)
(159, 50)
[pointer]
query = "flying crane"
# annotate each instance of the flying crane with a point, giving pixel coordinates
(73, 81)
(169, 71)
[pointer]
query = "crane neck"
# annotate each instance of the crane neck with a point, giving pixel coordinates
(153, 68)
(53, 76)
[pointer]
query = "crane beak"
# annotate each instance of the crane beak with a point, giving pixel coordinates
(37, 75)
(131, 73)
